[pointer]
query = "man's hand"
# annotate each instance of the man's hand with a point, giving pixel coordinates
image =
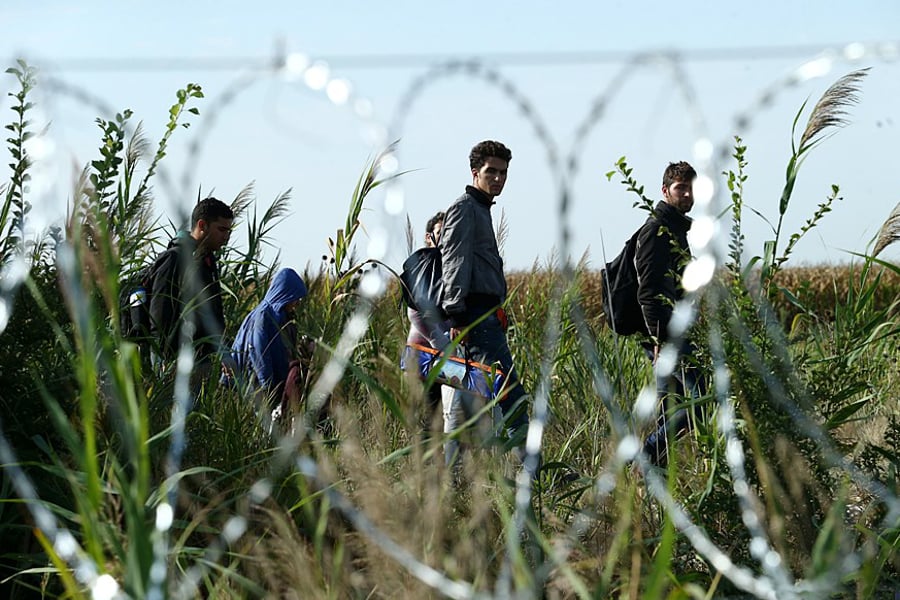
(307, 347)
(229, 365)
(455, 333)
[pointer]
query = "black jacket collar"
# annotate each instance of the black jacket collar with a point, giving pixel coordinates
(479, 195)
(671, 216)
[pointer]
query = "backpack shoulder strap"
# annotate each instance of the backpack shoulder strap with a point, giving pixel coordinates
(161, 260)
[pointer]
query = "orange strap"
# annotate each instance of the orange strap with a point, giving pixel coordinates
(477, 365)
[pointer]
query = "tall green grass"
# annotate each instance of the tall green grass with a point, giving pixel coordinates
(787, 488)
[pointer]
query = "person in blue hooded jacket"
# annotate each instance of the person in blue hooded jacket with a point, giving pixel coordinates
(265, 342)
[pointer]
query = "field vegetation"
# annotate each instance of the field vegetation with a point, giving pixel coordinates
(118, 483)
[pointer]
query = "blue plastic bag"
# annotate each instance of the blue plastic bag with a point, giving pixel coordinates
(455, 371)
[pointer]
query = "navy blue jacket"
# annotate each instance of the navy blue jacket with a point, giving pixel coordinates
(265, 342)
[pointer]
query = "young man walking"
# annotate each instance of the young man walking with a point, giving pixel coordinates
(186, 300)
(660, 258)
(474, 283)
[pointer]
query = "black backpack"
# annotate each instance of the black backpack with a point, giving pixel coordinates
(134, 301)
(422, 282)
(620, 292)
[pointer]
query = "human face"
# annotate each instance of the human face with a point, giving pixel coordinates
(680, 194)
(434, 236)
(290, 307)
(491, 177)
(214, 234)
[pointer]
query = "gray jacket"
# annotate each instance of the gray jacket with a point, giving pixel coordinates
(472, 267)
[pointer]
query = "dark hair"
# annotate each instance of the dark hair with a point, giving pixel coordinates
(209, 210)
(680, 171)
(485, 150)
(438, 218)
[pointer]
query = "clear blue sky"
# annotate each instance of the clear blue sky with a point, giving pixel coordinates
(281, 135)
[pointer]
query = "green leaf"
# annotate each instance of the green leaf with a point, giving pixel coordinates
(787, 192)
(659, 574)
(389, 401)
(768, 252)
(828, 549)
(792, 298)
(843, 415)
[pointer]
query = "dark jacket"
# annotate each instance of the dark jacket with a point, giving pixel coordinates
(265, 342)
(661, 255)
(186, 289)
(472, 267)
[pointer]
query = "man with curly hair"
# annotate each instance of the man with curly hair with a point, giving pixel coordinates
(475, 285)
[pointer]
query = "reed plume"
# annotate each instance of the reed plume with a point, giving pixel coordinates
(890, 231)
(830, 109)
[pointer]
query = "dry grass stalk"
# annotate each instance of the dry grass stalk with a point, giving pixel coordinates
(829, 110)
(410, 236)
(890, 231)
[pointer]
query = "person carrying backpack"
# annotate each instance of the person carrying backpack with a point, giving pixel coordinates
(266, 341)
(186, 297)
(661, 253)
(428, 325)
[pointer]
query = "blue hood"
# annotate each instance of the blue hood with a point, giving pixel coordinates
(263, 345)
(287, 287)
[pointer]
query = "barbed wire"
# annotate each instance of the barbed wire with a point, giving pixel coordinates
(773, 582)
(421, 59)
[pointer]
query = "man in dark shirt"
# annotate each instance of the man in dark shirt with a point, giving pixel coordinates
(661, 256)
(474, 283)
(186, 300)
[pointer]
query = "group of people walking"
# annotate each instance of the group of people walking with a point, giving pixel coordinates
(186, 309)
(474, 293)
(186, 303)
